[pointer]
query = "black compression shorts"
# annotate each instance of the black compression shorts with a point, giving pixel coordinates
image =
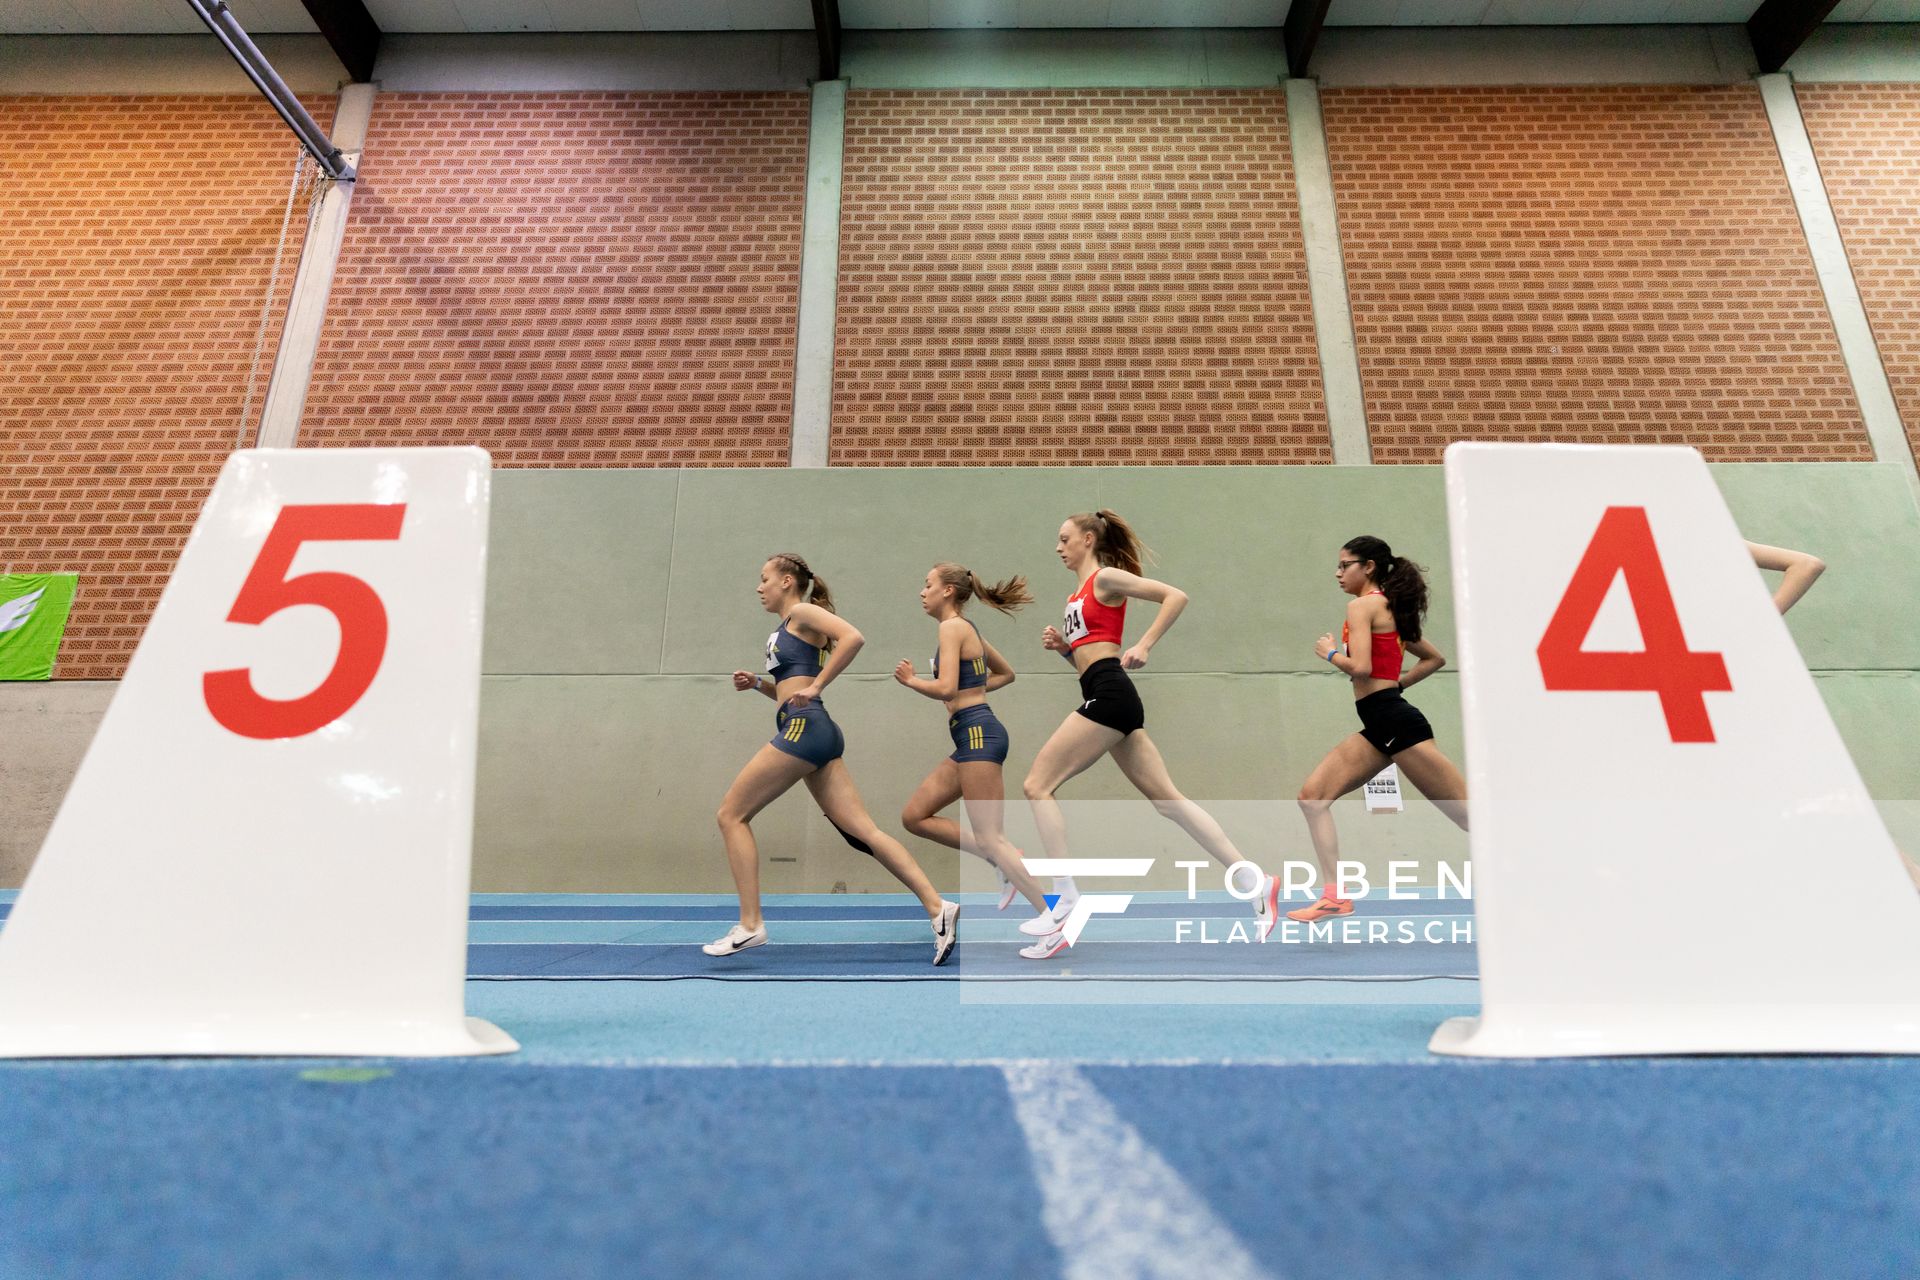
(1390, 723)
(1108, 697)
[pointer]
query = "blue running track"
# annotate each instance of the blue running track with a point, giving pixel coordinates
(1266, 1123)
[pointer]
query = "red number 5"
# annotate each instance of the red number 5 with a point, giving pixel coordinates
(363, 621)
(1623, 544)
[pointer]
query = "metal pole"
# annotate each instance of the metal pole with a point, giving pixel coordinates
(227, 29)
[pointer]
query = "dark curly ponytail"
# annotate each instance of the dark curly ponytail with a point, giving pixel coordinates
(1403, 582)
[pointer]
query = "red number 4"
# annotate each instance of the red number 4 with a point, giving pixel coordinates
(1623, 544)
(363, 621)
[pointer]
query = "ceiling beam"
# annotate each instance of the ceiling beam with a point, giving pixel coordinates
(352, 32)
(826, 26)
(1778, 27)
(1302, 31)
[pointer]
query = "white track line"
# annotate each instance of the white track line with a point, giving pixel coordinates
(1113, 1206)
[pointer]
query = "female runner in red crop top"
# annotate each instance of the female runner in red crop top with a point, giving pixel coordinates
(1383, 623)
(1104, 555)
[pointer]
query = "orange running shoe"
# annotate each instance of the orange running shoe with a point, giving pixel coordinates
(1322, 909)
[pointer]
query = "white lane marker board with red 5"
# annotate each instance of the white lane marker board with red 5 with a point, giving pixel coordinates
(268, 847)
(1663, 814)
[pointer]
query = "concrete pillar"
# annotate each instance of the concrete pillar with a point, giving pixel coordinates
(819, 279)
(307, 308)
(1857, 346)
(1327, 277)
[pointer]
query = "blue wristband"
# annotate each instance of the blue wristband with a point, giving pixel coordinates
(1330, 661)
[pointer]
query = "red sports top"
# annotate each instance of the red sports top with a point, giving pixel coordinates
(1089, 621)
(1387, 653)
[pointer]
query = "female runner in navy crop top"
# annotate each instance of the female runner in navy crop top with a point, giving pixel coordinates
(808, 744)
(1104, 555)
(965, 670)
(1383, 623)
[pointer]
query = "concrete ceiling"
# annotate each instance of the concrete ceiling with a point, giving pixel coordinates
(102, 17)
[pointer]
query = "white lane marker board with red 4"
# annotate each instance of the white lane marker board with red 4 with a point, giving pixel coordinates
(268, 847)
(1673, 851)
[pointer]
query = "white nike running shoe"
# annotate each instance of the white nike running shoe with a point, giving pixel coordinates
(946, 932)
(1007, 892)
(738, 938)
(1048, 947)
(1047, 921)
(1266, 908)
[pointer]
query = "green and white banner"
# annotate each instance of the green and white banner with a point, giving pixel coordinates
(33, 616)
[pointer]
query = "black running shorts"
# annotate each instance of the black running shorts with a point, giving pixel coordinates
(1108, 698)
(1391, 723)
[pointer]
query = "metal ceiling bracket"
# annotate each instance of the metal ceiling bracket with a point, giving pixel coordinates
(227, 29)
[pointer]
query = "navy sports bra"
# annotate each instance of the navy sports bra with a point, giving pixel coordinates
(973, 671)
(789, 655)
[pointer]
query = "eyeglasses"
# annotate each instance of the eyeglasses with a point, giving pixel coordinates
(1341, 566)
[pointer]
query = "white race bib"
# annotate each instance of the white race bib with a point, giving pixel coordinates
(1076, 625)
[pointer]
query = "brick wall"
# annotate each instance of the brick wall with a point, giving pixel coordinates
(1604, 265)
(1867, 139)
(1028, 277)
(135, 251)
(571, 279)
(1072, 277)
